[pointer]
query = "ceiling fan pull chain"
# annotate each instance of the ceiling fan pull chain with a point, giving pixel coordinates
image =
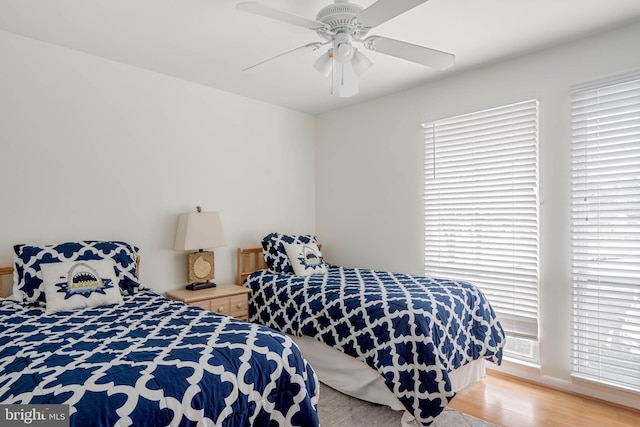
(333, 75)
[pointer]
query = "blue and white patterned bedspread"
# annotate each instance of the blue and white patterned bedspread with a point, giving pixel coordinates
(412, 329)
(154, 362)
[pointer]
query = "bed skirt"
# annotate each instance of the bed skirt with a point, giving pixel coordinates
(355, 378)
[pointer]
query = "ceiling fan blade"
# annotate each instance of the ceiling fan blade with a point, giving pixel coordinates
(384, 10)
(268, 12)
(310, 46)
(411, 52)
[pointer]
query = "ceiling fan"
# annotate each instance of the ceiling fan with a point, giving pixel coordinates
(343, 24)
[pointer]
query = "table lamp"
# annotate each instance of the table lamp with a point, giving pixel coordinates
(196, 232)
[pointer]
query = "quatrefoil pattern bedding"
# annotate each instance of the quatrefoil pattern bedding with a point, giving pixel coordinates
(273, 249)
(413, 330)
(29, 259)
(154, 362)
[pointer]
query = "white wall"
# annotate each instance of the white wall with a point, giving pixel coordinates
(93, 149)
(369, 175)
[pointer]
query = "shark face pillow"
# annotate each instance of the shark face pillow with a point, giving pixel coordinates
(74, 285)
(305, 259)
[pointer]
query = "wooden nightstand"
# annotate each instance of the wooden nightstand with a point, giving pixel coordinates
(231, 300)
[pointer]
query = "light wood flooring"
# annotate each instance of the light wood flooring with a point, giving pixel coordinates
(510, 402)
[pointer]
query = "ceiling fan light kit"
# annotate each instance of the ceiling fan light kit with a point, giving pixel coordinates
(342, 24)
(360, 63)
(324, 64)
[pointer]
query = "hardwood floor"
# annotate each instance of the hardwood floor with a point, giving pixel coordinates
(507, 401)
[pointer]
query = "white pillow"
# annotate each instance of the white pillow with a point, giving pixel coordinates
(305, 259)
(79, 284)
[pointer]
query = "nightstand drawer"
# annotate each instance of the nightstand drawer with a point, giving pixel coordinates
(239, 306)
(221, 305)
(202, 304)
(227, 299)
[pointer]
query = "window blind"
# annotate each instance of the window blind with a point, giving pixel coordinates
(481, 208)
(605, 231)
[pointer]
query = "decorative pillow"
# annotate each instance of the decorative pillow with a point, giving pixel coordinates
(80, 284)
(274, 254)
(305, 258)
(27, 276)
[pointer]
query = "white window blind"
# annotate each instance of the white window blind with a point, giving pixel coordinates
(605, 231)
(481, 208)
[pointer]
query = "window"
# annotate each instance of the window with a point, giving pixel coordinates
(481, 212)
(605, 231)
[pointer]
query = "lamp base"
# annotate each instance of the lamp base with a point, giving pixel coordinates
(201, 285)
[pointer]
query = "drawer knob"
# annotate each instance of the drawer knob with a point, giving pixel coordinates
(221, 309)
(239, 305)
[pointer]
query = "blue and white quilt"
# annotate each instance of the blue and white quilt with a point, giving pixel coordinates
(154, 362)
(413, 330)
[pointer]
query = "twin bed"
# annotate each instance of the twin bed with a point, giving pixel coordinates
(137, 358)
(406, 341)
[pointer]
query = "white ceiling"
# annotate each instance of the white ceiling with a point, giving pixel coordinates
(210, 42)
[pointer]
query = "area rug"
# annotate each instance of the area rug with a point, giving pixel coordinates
(339, 410)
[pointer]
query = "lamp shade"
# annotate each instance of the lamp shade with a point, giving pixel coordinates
(324, 64)
(199, 230)
(360, 63)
